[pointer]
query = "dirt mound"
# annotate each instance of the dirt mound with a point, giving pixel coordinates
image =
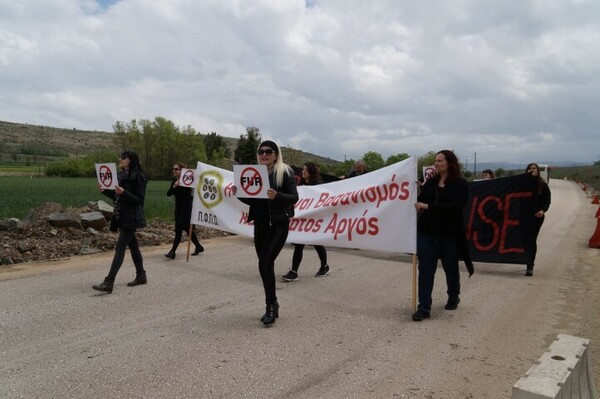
(34, 239)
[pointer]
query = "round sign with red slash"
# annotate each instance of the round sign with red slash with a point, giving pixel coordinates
(429, 172)
(251, 181)
(105, 176)
(188, 178)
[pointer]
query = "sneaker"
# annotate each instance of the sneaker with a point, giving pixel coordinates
(323, 271)
(420, 315)
(290, 276)
(452, 304)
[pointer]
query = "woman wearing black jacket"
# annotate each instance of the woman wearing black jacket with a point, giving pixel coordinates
(271, 219)
(541, 204)
(440, 231)
(310, 177)
(128, 216)
(183, 212)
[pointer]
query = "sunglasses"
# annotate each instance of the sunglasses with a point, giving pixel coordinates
(175, 169)
(267, 152)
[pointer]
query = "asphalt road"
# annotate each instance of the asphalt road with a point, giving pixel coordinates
(194, 330)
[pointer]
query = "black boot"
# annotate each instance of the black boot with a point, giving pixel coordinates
(106, 286)
(271, 313)
(199, 249)
(140, 278)
(171, 254)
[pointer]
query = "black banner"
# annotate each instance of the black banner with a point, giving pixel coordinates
(499, 219)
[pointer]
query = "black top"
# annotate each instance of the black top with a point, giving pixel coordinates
(131, 202)
(183, 205)
(543, 198)
(446, 205)
(278, 210)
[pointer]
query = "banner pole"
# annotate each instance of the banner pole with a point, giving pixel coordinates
(414, 291)
(187, 259)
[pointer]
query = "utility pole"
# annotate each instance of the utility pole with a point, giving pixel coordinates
(475, 166)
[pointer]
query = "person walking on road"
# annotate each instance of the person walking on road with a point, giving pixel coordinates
(183, 212)
(271, 219)
(310, 176)
(128, 216)
(542, 198)
(440, 231)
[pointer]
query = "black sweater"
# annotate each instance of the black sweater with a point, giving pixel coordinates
(446, 205)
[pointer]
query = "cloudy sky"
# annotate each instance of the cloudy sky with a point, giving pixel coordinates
(509, 80)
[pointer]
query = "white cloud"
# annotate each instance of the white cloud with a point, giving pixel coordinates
(511, 81)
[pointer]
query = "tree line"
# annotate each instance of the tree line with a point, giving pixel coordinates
(159, 143)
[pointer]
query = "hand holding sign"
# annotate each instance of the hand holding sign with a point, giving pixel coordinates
(253, 180)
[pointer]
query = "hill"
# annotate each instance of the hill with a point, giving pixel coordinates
(25, 143)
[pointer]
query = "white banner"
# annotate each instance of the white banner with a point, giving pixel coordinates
(372, 211)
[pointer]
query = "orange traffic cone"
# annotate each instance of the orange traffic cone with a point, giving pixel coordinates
(595, 240)
(595, 200)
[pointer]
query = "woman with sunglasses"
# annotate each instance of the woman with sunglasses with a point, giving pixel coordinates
(271, 219)
(183, 212)
(541, 205)
(128, 216)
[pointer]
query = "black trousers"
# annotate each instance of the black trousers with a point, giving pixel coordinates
(268, 243)
(179, 234)
(126, 239)
(299, 250)
(538, 222)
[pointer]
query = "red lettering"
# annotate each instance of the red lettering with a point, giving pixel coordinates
(510, 222)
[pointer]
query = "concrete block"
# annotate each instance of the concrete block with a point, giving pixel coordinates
(562, 372)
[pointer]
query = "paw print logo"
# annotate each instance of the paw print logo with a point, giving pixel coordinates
(209, 188)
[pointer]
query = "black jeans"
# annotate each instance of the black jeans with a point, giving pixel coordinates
(179, 234)
(429, 250)
(268, 243)
(299, 250)
(126, 239)
(538, 222)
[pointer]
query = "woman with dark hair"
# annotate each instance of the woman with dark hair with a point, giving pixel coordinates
(128, 216)
(183, 212)
(440, 231)
(271, 219)
(541, 206)
(310, 176)
(488, 174)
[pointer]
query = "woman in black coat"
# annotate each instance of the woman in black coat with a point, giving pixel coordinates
(440, 231)
(183, 212)
(541, 205)
(271, 219)
(128, 216)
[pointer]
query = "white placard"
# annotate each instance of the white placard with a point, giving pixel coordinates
(187, 178)
(107, 175)
(252, 181)
(428, 172)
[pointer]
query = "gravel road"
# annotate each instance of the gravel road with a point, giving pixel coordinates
(194, 330)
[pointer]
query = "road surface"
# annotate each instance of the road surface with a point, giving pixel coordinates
(194, 330)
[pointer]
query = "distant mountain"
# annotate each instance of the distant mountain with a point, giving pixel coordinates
(521, 166)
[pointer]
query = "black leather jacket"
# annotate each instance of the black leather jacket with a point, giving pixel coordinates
(278, 210)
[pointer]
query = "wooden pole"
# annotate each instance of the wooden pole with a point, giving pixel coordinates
(187, 259)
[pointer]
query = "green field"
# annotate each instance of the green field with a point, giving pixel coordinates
(19, 194)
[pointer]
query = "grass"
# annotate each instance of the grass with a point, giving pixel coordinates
(19, 194)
